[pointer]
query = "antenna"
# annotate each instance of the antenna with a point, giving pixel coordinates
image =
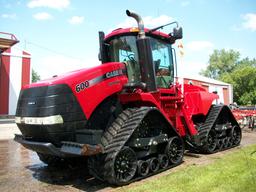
(162, 26)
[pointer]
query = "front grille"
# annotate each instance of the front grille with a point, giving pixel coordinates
(47, 101)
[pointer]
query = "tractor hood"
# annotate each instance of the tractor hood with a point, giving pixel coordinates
(89, 86)
(77, 76)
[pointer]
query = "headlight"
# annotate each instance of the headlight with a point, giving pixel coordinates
(50, 120)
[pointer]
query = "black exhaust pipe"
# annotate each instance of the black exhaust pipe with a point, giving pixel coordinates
(147, 69)
(139, 21)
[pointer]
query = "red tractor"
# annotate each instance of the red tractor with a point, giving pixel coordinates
(129, 116)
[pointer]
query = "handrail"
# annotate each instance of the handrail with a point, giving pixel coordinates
(13, 37)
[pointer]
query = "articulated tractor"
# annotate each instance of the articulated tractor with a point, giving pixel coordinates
(129, 116)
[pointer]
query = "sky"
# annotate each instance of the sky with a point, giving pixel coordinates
(62, 35)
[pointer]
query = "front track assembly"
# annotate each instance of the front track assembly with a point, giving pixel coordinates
(136, 146)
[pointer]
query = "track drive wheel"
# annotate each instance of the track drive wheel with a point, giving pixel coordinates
(121, 167)
(175, 150)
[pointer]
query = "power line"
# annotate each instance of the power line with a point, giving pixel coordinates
(51, 50)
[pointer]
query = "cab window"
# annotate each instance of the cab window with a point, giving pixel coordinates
(163, 63)
(124, 49)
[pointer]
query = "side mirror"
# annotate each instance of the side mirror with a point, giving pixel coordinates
(102, 54)
(177, 33)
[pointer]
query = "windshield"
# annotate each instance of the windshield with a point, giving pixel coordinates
(124, 49)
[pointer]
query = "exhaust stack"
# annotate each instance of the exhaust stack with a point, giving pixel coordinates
(139, 21)
(146, 63)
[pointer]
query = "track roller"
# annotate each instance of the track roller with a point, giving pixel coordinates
(220, 144)
(153, 164)
(226, 142)
(163, 161)
(143, 168)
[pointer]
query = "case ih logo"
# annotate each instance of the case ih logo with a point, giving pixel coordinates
(114, 73)
(88, 83)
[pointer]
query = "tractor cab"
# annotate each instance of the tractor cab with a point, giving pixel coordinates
(124, 49)
(147, 54)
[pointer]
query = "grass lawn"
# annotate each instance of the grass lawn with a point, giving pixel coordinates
(233, 172)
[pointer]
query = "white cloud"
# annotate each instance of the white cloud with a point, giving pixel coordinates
(54, 4)
(59, 64)
(42, 16)
(250, 21)
(9, 16)
(75, 20)
(149, 22)
(200, 46)
(189, 68)
(185, 3)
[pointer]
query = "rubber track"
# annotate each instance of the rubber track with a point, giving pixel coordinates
(95, 163)
(114, 139)
(129, 120)
(209, 122)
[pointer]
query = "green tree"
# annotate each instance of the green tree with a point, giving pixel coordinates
(227, 66)
(243, 79)
(35, 76)
(220, 62)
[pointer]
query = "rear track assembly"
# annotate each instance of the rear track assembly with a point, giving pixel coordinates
(220, 130)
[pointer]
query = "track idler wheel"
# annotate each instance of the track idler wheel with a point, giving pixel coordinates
(211, 142)
(236, 135)
(175, 150)
(163, 161)
(143, 168)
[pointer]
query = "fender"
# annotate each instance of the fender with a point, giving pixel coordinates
(197, 99)
(145, 99)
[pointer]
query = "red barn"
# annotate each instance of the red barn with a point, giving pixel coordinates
(14, 72)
